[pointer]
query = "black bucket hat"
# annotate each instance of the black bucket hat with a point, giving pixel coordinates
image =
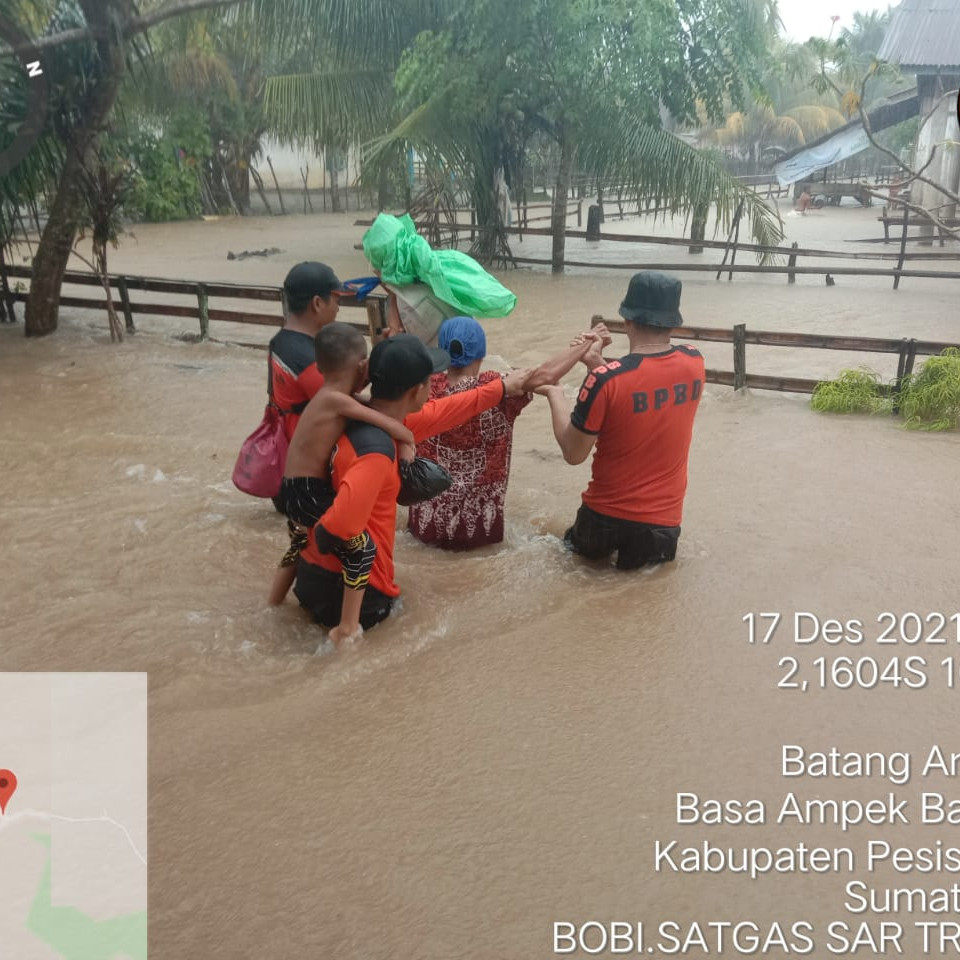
(653, 299)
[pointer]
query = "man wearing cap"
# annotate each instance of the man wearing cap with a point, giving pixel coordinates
(311, 301)
(365, 477)
(639, 413)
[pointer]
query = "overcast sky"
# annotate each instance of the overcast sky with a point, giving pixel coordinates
(803, 19)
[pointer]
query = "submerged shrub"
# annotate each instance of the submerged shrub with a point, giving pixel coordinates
(930, 398)
(854, 391)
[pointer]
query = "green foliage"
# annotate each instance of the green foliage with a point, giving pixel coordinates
(166, 186)
(930, 398)
(854, 391)
(107, 185)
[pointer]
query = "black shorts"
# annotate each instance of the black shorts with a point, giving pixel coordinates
(596, 535)
(320, 591)
(305, 499)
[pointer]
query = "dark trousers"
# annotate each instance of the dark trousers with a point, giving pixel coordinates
(596, 536)
(320, 591)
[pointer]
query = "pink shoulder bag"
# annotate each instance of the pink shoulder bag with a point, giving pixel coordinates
(263, 455)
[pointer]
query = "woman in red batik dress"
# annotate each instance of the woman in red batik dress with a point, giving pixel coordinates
(477, 453)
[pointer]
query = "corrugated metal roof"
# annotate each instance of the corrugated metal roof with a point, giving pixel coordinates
(924, 34)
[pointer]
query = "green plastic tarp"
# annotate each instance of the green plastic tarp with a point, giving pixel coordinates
(402, 256)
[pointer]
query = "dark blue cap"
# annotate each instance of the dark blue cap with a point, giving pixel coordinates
(463, 338)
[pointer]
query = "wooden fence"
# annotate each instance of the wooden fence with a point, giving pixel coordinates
(375, 308)
(731, 247)
(906, 349)
(198, 307)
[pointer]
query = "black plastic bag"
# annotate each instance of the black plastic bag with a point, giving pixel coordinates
(421, 480)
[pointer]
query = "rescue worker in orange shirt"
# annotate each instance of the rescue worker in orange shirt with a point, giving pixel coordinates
(638, 411)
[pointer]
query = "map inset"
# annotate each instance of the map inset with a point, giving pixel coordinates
(73, 834)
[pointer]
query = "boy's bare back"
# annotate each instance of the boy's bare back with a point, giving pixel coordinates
(318, 430)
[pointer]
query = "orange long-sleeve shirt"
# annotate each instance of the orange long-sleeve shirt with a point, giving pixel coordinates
(366, 479)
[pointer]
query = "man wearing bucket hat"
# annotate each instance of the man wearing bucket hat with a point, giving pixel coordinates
(638, 411)
(365, 476)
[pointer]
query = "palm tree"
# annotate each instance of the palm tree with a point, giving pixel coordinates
(750, 135)
(212, 66)
(337, 89)
(90, 43)
(469, 84)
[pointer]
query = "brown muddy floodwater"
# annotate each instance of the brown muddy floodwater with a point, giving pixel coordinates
(506, 750)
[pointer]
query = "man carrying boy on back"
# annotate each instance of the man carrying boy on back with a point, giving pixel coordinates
(341, 353)
(311, 300)
(366, 478)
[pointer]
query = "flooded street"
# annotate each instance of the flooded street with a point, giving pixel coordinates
(505, 751)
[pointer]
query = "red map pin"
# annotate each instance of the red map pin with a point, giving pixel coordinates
(8, 785)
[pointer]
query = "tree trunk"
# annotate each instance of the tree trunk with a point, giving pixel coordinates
(491, 245)
(53, 251)
(558, 222)
(698, 227)
(383, 184)
(100, 262)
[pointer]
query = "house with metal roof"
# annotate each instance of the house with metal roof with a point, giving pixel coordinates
(924, 39)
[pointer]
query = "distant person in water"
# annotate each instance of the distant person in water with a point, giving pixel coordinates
(638, 411)
(477, 453)
(307, 493)
(804, 201)
(311, 299)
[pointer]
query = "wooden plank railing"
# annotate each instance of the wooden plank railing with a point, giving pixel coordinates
(739, 336)
(201, 293)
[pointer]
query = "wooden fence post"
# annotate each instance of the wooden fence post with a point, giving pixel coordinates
(203, 303)
(908, 354)
(792, 262)
(125, 303)
(903, 247)
(739, 356)
(376, 319)
(579, 213)
(732, 237)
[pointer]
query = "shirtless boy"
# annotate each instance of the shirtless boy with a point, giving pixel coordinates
(342, 359)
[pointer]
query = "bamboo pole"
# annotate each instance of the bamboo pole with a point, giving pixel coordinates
(258, 180)
(306, 190)
(276, 183)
